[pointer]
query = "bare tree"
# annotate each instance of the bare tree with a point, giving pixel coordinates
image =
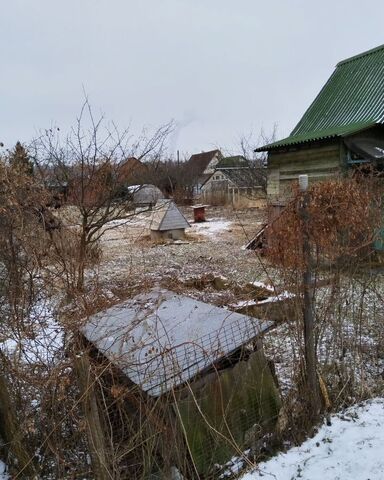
(248, 143)
(89, 163)
(324, 235)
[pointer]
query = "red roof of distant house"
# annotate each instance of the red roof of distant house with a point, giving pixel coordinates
(131, 168)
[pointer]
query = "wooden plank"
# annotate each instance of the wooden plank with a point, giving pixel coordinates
(320, 163)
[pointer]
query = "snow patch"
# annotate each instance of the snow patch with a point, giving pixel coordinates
(3, 475)
(211, 228)
(256, 283)
(43, 340)
(351, 448)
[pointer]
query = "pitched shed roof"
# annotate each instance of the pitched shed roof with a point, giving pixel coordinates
(166, 216)
(162, 339)
(350, 101)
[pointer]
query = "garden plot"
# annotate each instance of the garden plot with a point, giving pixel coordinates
(213, 268)
(350, 317)
(213, 247)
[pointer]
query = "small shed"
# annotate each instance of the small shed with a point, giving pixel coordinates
(199, 213)
(167, 221)
(197, 367)
(144, 195)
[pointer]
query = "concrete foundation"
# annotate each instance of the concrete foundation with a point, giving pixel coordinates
(176, 234)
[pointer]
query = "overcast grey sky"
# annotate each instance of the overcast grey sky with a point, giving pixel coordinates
(220, 68)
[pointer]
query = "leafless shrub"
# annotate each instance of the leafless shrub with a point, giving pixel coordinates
(344, 216)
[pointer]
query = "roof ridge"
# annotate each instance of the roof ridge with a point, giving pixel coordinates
(360, 55)
(205, 152)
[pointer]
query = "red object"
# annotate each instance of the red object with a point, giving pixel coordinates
(199, 213)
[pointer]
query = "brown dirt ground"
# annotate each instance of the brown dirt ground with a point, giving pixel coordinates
(212, 249)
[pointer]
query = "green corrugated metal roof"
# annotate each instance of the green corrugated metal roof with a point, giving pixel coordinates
(352, 99)
(319, 135)
(234, 161)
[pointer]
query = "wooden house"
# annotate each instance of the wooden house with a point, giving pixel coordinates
(167, 221)
(236, 182)
(190, 375)
(343, 128)
(200, 167)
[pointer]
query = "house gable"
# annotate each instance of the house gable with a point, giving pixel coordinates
(204, 163)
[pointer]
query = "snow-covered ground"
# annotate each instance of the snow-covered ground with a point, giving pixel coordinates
(41, 339)
(3, 476)
(211, 228)
(350, 449)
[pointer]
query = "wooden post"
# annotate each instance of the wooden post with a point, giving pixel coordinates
(308, 307)
(95, 430)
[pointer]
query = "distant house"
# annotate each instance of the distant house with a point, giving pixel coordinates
(132, 171)
(167, 221)
(234, 181)
(343, 128)
(201, 166)
(192, 373)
